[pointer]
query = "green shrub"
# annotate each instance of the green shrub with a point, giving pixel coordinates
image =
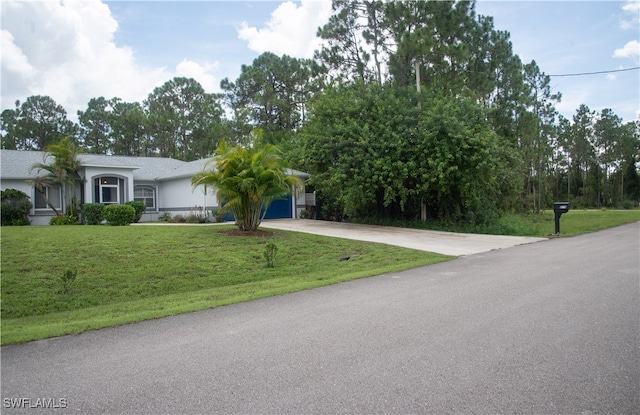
(178, 219)
(92, 213)
(15, 207)
(119, 215)
(165, 217)
(195, 218)
(140, 207)
(270, 251)
(64, 220)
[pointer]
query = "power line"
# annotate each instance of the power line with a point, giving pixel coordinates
(635, 68)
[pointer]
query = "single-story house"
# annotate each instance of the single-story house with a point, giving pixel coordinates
(163, 184)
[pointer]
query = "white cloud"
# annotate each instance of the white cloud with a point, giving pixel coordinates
(13, 59)
(611, 77)
(202, 73)
(66, 50)
(633, 8)
(291, 29)
(630, 50)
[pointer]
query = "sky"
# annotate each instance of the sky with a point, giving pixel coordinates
(75, 50)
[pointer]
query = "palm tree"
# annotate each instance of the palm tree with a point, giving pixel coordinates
(247, 180)
(62, 169)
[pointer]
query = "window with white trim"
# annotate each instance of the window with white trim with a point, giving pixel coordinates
(54, 194)
(108, 190)
(146, 195)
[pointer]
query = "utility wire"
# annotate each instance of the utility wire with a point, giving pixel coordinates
(635, 68)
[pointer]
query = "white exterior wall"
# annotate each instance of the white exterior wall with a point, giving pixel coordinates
(179, 197)
(18, 184)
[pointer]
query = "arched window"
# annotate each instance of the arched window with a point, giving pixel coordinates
(145, 194)
(108, 190)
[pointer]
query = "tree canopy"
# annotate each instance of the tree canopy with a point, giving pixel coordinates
(372, 151)
(412, 109)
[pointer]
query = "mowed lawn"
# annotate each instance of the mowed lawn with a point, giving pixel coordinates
(574, 222)
(133, 273)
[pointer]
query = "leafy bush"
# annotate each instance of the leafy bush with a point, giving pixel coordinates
(64, 220)
(178, 219)
(119, 215)
(15, 207)
(92, 213)
(304, 214)
(140, 207)
(195, 218)
(165, 217)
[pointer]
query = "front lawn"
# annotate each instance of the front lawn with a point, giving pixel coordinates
(574, 222)
(133, 273)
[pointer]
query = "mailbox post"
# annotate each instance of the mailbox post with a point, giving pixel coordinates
(558, 209)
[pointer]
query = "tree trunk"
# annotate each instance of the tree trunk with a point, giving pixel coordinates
(46, 200)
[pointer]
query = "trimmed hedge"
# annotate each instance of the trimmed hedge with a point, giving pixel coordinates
(119, 215)
(140, 207)
(92, 213)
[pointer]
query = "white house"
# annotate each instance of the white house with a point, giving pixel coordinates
(163, 184)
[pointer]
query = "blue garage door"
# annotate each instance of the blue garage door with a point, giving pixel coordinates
(279, 209)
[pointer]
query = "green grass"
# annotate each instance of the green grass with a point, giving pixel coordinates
(134, 273)
(574, 222)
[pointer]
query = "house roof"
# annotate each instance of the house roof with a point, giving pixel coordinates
(145, 168)
(15, 164)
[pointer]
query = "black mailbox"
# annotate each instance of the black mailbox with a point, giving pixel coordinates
(558, 209)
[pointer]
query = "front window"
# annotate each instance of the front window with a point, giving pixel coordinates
(108, 190)
(54, 194)
(146, 195)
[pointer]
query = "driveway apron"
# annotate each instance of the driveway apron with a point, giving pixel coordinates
(446, 243)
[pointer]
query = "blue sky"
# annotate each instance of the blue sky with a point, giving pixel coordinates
(73, 50)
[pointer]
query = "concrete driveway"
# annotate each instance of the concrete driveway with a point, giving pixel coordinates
(446, 243)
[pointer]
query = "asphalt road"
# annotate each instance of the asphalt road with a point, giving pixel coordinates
(550, 327)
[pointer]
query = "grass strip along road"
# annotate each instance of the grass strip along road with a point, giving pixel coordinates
(128, 274)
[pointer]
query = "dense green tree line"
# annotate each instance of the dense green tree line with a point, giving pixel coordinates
(408, 110)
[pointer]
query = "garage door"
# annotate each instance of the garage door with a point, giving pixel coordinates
(279, 209)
